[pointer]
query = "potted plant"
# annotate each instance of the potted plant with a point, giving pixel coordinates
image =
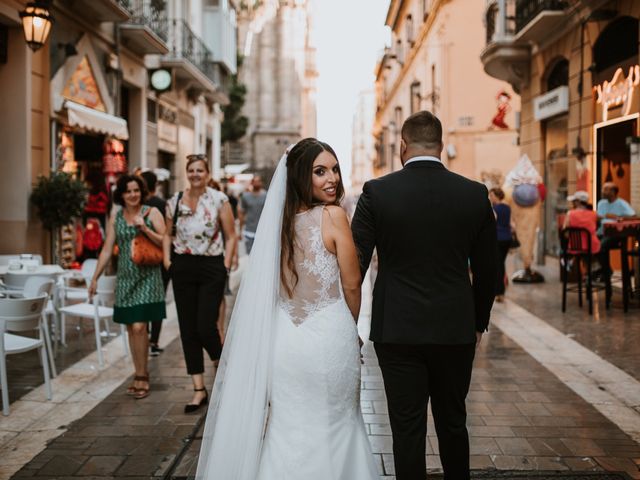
(59, 199)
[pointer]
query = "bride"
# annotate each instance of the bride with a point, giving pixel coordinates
(286, 399)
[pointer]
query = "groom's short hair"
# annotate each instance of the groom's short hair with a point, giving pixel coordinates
(422, 129)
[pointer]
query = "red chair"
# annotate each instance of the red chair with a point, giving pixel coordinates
(575, 245)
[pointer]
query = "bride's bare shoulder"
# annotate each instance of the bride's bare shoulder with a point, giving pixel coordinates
(336, 217)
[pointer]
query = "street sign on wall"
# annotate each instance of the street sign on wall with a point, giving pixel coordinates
(551, 103)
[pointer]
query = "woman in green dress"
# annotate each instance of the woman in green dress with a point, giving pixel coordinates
(139, 290)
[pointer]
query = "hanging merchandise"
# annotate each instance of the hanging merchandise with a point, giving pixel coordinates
(65, 155)
(93, 236)
(113, 158)
(97, 203)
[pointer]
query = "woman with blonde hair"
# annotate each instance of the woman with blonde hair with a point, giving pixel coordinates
(198, 261)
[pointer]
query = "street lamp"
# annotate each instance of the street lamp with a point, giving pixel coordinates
(36, 22)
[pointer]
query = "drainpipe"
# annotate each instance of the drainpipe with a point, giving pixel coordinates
(118, 82)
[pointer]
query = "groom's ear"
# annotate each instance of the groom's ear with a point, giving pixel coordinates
(403, 149)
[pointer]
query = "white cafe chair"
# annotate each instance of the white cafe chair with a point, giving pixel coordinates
(99, 309)
(34, 287)
(74, 294)
(21, 315)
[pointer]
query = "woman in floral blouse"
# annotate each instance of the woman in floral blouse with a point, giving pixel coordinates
(199, 267)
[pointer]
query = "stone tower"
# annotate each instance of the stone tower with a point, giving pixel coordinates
(280, 74)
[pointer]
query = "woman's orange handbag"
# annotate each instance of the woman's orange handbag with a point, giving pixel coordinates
(144, 251)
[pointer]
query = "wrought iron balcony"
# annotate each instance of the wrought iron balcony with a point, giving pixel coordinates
(193, 62)
(503, 57)
(148, 28)
(187, 45)
(528, 10)
(500, 25)
(101, 10)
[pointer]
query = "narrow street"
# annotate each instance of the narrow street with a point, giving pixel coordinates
(540, 402)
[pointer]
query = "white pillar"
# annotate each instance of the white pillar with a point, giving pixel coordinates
(216, 145)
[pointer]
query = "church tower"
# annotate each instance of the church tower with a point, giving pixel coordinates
(279, 72)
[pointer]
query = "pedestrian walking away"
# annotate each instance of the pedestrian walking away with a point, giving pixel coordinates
(428, 226)
(154, 200)
(139, 292)
(249, 211)
(198, 261)
(504, 232)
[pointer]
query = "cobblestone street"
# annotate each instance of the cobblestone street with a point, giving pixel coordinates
(529, 411)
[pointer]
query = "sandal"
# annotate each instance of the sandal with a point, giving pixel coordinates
(131, 389)
(141, 393)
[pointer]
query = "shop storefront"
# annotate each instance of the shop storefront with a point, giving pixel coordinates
(551, 109)
(90, 142)
(616, 109)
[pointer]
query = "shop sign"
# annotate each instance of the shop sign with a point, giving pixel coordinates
(551, 103)
(619, 91)
(82, 87)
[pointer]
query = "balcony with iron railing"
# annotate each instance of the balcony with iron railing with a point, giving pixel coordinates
(101, 10)
(193, 62)
(503, 57)
(534, 19)
(147, 31)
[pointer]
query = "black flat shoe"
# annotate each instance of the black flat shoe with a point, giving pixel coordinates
(193, 407)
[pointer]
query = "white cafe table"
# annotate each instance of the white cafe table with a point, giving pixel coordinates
(33, 270)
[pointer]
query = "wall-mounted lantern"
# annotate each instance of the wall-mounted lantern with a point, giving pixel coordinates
(36, 23)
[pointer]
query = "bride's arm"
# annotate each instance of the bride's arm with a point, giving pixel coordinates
(340, 236)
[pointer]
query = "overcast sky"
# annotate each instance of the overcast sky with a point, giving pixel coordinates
(349, 35)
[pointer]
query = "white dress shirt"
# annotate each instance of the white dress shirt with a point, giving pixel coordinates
(422, 158)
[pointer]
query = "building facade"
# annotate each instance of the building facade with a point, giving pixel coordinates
(362, 143)
(576, 67)
(119, 85)
(433, 64)
(279, 71)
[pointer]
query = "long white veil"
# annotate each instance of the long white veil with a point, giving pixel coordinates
(237, 414)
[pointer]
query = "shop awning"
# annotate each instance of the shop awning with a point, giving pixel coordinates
(236, 169)
(96, 121)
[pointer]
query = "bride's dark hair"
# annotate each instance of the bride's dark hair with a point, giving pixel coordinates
(299, 195)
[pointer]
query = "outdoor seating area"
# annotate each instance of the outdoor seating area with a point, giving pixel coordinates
(578, 263)
(37, 301)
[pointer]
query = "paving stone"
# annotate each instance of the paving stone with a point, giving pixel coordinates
(101, 465)
(62, 465)
(140, 465)
(515, 446)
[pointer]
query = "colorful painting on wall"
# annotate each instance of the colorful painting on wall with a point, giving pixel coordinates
(82, 87)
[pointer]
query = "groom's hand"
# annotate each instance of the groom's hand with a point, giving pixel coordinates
(478, 338)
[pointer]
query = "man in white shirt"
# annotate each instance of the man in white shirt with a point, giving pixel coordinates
(610, 209)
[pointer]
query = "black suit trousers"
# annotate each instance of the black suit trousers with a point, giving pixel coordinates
(412, 375)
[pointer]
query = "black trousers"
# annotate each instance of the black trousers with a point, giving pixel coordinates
(412, 375)
(606, 245)
(503, 250)
(157, 325)
(198, 288)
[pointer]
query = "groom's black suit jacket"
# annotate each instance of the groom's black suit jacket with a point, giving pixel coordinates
(429, 226)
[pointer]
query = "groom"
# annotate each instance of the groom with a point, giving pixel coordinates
(429, 227)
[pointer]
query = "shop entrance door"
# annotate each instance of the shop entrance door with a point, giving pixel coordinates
(167, 161)
(613, 158)
(556, 179)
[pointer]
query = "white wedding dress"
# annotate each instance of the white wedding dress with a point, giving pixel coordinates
(315, 429)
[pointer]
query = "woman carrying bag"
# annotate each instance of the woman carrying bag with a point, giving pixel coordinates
(198, 260)
(506, 239)
(137, 230)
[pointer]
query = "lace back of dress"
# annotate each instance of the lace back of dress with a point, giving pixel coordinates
(318, 274)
